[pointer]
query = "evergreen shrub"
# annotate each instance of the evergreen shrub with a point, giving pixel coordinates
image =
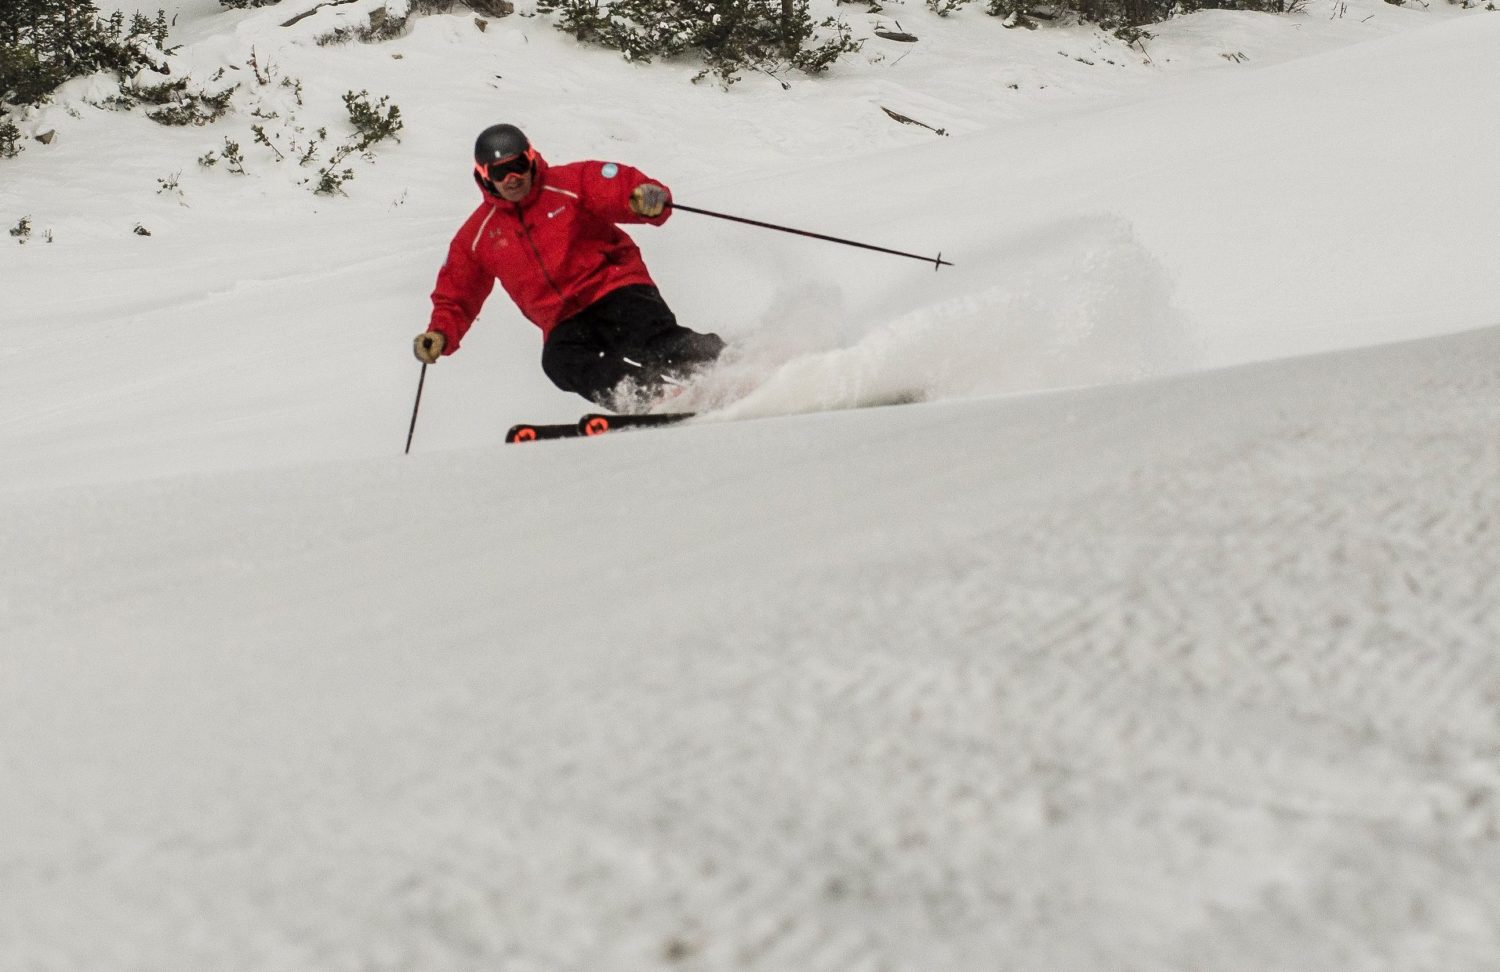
(730, 36)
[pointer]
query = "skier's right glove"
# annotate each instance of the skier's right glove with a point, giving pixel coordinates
(428, 346)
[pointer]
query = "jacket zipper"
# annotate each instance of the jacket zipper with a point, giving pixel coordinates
(526, 233)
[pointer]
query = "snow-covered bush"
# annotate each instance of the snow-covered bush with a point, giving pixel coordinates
(1136, 13)
(945, 7)
(181, 101)
(276, 100)
(1116, 15)
(46, 42)
(373, 123)
(391, 20)
(730, 36)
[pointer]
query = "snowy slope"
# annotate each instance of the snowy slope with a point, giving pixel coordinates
(1198, 674)
(1192, 667)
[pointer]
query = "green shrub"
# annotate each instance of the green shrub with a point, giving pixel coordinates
(176, 104)
(945, 7)
(10, 140)
(1138, 13)
(46, 42)
(374, 123)
(730, 36)
(1117, 14)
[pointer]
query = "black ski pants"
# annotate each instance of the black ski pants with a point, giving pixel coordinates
(629, 334)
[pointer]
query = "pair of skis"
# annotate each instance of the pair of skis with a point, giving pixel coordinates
(595, 423)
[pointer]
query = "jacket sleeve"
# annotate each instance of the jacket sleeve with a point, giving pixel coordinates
(606, 189)
(462, 286)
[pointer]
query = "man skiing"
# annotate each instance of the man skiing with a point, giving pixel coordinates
(549, 234)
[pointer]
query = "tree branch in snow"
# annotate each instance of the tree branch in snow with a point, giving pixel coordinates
(912, 121)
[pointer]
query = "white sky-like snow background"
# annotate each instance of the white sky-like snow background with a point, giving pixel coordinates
(1163, 635)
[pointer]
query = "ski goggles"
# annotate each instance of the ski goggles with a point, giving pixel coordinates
(513, 165)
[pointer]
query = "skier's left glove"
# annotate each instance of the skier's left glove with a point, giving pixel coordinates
(428, 346)
(649, 200)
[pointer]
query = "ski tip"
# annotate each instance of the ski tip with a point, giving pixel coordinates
(521, 433)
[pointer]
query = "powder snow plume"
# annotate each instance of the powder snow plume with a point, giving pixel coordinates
(1080, 302)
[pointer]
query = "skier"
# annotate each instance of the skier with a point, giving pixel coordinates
(549, 235)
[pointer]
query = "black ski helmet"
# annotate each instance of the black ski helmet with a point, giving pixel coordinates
(496, 144)
(499, 142)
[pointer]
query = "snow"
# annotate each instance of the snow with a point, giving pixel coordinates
(1162, 635)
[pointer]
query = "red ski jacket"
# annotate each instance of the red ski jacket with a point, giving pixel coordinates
(555, 252)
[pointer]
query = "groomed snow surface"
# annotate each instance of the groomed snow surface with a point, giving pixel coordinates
(1163, 634)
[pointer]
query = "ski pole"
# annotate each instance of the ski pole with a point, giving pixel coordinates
(936, 261)
(416, 405)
